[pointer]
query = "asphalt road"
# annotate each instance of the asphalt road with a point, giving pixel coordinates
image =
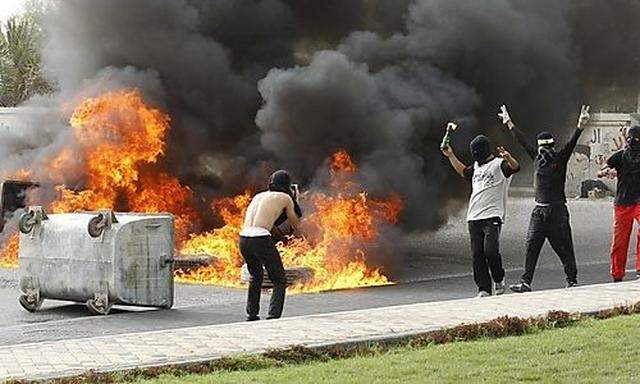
(436, 267)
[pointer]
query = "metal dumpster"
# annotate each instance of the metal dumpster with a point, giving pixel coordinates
(98, 258)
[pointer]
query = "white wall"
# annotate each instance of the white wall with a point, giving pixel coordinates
(604, 135)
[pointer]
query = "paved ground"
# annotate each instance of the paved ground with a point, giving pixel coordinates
(436, 268)
(74, 356)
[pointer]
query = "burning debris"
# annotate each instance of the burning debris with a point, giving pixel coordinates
(13, 194)
(294, 276)
(157, 109)
(343, 223)
(122, 140)
(122, 143)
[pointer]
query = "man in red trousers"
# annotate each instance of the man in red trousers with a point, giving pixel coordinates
(625, 165)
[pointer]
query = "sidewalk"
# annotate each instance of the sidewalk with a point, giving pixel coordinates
(69, 357)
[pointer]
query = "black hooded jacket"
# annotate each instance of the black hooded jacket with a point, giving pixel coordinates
(627, 165)
(549, 176)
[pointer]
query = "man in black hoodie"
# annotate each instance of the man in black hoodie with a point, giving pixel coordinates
(550, 217)
(625, 165)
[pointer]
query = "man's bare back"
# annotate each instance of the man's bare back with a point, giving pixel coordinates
(265, 208)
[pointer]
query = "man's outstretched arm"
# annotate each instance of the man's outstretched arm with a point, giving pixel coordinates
(582, 121)
(455, 162)
(512, 165)
(517, 134)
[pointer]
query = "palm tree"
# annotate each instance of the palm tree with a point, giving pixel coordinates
(20, 66)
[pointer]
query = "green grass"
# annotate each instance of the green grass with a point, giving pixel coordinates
(594, 351)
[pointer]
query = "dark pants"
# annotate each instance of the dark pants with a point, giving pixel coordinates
(550, 222)
(485, 246)
(258, 252)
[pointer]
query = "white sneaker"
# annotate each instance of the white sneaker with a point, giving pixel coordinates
(483, 294)
(499, 288)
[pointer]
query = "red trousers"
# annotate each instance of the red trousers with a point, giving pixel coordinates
(623, 216)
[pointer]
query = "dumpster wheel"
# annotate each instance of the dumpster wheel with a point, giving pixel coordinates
(94, 228)
(30, 302)
(98, 307)
(26, 223)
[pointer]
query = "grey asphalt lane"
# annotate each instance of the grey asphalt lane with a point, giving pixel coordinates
(436, 267)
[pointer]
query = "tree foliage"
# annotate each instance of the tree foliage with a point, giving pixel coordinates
(21, 73)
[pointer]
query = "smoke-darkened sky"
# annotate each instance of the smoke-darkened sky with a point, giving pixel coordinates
(254, 85)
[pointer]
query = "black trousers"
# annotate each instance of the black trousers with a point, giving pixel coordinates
(550, 222)
(485, 247)
(258, 252)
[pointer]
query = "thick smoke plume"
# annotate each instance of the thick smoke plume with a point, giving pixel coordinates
(254, 85)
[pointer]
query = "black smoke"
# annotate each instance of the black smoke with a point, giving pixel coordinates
(254, 85)
(386, 98)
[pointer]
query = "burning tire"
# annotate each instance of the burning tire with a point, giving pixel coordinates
(193, 262)
(295, 275)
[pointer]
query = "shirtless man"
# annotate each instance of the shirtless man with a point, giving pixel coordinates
(258, 247)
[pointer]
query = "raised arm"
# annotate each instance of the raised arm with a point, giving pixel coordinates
(515, 132)
(455, 162)
(582, 121)
(511, 162)
(571, 144)
(610, 169)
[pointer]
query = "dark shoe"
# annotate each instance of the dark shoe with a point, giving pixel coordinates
(253, 318)
(272, 317)
(572, 284)
(520, 287)
(617, 280)
(499, 288)
(638, 274)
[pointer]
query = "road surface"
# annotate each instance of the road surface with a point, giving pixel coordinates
(436, 267)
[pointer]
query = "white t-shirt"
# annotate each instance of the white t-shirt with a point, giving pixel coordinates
(488, 191)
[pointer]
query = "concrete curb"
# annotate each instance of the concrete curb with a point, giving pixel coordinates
(390, 325)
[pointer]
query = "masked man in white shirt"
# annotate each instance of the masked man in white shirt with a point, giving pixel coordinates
(490, 176)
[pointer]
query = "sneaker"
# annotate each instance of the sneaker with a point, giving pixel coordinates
(520, 287)
(499, 288)
(253, 318)
(572, 284)
(483, 294)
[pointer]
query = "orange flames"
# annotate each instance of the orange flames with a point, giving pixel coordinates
(9, 255)
(341, 224)
(121, 142)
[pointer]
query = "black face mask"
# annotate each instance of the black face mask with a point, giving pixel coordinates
(480, 149)
(632, 153)
(633, 141)
(546, 155)
(280, 181)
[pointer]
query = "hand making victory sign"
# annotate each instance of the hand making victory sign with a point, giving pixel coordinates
(584, 117)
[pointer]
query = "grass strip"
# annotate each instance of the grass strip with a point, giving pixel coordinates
(299, 355)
